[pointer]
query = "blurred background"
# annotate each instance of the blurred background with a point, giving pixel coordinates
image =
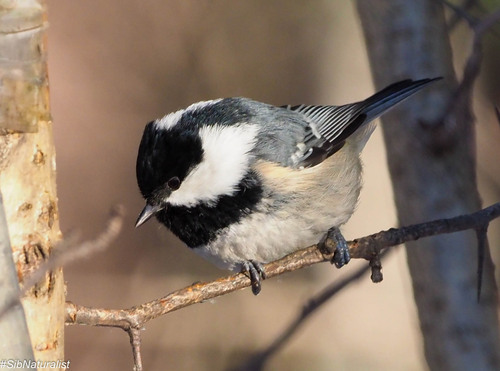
(115, 65)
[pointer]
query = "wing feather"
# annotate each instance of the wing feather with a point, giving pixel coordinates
(330, 126)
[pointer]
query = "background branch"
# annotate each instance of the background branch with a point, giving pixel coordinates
(473, 64)
(431, 152)
(67, 251)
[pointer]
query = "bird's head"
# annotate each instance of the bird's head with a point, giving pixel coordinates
(192, 156)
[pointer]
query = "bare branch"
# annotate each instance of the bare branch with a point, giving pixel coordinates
(473, 65)
(486, 23)
(68, 251)
(463, 97)
(482, 248)
(135, 342)
(367, 248)
(461, 12)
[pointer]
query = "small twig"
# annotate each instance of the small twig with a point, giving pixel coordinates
(460, 13)
(68, 251)
(365, 248)
(471, 71)
(135, 342)
(376, 267)
(486, 23)
(482, 247)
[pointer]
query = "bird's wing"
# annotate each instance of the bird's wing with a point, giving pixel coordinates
(328, 127)
(323, 135)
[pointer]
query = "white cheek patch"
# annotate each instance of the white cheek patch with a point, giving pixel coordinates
(173, 118)
(225, 162)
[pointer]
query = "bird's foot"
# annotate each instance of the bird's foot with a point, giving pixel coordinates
(256, 273)
(339, 247)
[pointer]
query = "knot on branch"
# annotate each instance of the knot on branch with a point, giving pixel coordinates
(376, 267)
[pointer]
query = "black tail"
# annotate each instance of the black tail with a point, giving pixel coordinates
(387, 98)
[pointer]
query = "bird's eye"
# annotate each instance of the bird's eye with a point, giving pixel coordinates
(174, 183)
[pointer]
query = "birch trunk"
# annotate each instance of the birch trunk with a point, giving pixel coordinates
(27, 169)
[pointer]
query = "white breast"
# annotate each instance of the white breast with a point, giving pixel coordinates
(303, 206)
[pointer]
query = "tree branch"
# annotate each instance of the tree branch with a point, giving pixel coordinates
(431, 156)
(368, 248)
(463, 99)
(68, 251)
(135, 342)
(473, 64)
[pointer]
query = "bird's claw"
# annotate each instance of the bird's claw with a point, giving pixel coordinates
(256, 272)
(339, 248)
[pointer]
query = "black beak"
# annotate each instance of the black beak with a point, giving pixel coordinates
(146, 214)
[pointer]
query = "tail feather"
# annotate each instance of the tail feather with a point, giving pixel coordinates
(385, 99)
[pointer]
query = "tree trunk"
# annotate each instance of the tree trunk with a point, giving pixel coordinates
(27, 170)
(17, 343)
(431, 155)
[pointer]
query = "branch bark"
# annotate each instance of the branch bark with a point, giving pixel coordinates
(367, 248)
(431, 155)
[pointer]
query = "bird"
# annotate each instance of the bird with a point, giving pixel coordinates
(243, 183)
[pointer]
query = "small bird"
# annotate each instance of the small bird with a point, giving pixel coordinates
(244, 183)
